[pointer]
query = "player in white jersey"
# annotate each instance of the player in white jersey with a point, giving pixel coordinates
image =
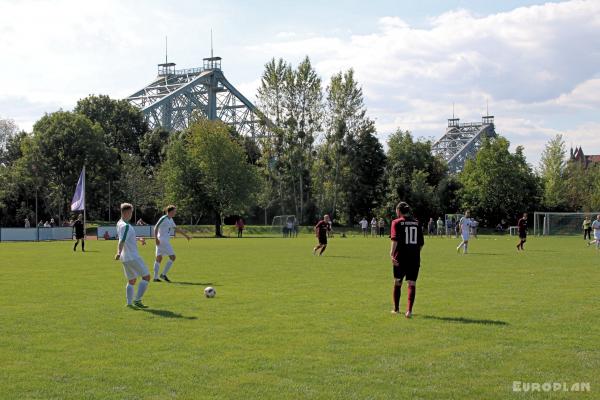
(465, 224)
(596, 228)
(133, 265)
(162, 233)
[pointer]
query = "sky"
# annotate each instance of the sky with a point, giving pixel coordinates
(534, 64)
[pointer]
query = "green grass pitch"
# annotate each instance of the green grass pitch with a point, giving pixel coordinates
(287, 325)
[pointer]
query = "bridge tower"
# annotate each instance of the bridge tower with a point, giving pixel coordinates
(177, 96)
(462, 141)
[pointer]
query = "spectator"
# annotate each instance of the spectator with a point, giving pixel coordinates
(289, 227)
(440, 226)
(449, 226)
(587, 228)
(431, 227)
(52, 223)
(474, 226)
(364, 225)
(381, 227)
(40, 224)
(27, 223)
(47, 225)
(240, 227)
(141, 222)
(373, 227)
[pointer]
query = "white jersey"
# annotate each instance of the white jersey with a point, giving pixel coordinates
(465, 224)
(596, 227)
(364, 224)
(126, 235)
(164, 226)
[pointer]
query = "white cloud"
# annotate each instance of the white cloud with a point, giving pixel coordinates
(527, 62)
(537, 66)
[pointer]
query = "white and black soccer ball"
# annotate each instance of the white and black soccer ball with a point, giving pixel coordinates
(210, 292)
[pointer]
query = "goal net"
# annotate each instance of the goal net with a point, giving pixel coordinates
(285, 225)
(556, 223)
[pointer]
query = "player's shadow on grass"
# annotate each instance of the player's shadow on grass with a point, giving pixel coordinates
(464, 320)
(195, 283)
(166, 313)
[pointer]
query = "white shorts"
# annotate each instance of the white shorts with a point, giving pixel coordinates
(164, 249)
(465, 236)
(597, 235)
(135, 268)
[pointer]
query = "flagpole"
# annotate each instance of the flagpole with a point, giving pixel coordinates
(84, 205)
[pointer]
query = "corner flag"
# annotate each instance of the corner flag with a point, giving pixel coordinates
(78, 202)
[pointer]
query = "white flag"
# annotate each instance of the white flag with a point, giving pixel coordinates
(78, 202)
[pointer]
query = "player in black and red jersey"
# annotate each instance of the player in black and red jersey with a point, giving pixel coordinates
(321, 230)
(407, 242)
(522, 225)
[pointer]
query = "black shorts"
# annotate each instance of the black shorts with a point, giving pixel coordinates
(410, 272)
(79, 236)
(522, 235)
(323, 240)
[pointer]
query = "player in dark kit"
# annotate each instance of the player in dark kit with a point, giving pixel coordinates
(79, 234)
(407, 242)
(522, 225)
(321, 230)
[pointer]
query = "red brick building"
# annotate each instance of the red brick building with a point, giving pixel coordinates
(586, 160)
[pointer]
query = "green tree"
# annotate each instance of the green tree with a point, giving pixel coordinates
(367, 167)
(136, 186)
(345, 119)
(207, 157)
(552, 171)
(182, 179)
(303, 119)
(153, 147)
(123, 124)
(412, 174)
(497, 184)
(62, 143)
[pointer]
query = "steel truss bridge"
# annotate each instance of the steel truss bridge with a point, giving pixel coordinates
(177, 97)
(462, 141)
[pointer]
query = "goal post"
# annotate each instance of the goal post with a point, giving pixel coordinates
(560, 223)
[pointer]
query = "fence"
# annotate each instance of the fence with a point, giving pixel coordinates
(35, 234)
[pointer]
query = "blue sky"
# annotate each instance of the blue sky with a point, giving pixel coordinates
(536, 63)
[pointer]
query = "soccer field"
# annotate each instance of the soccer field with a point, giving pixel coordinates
(287, 325)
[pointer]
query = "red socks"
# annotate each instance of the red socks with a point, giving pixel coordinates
(397, 297)
(412, 292)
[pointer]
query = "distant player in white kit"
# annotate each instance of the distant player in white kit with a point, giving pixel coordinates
(133, 265)
(465, 224)
(162, 233)
(596, 228)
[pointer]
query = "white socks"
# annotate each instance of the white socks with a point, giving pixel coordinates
(141, 289)
(168, 266)
(129, 293)
(156, 269)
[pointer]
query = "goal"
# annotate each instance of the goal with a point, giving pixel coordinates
(285, 225)
(560, 223)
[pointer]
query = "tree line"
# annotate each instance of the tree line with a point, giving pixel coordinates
(323, 155)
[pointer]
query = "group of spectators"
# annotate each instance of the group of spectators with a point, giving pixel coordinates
(48, 224)
(377, 227)
(449, 227)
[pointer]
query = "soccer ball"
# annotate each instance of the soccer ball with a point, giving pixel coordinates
(210, 292)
